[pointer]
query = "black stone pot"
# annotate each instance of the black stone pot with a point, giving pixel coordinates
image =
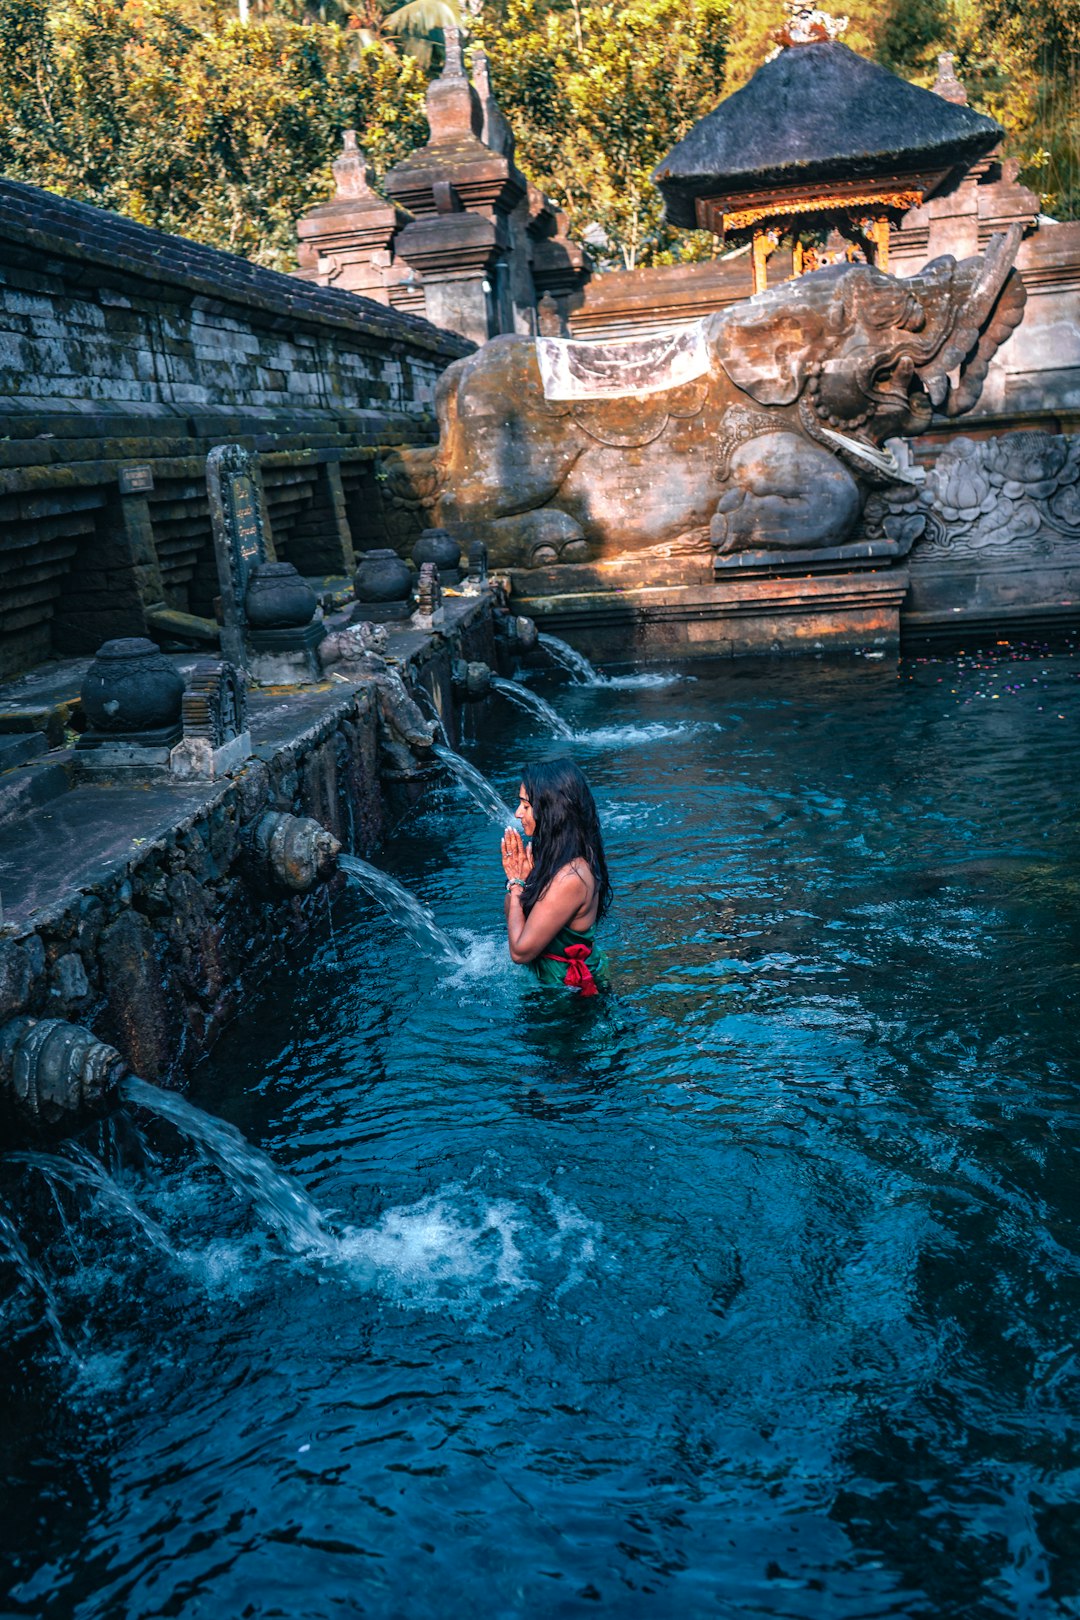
(131, 687)
(383, 585)
(277, 598)
(438, 546)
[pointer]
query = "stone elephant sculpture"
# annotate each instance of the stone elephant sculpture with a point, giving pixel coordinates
(771, 446)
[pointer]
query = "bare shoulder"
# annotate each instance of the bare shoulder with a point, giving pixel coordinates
(575, 876)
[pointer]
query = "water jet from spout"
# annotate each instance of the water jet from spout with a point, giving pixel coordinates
(532, 705)
(404, 907)
(577, 666)
(476, 784)
(277, 1199)
(13, 1246)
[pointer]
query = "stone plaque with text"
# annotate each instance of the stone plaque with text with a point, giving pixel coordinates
(232, 484)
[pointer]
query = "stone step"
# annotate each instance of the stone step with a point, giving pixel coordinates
(16, 748)
(25, 788)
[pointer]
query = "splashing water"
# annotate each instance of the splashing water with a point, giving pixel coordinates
(476, 784)
(278, 1200)
(86, 1171)
(462, 1252)
(532, 705)
(645, 679)
(630, 735)
(398, 903)
(583, 673)
(32, 1275)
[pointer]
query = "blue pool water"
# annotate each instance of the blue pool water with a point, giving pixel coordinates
(753, 1292)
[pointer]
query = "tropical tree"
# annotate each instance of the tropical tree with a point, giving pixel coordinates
(414, 28)
(214, 129)
(177, 113)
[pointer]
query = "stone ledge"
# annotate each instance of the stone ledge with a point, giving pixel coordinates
(830, 612)
(150, 887)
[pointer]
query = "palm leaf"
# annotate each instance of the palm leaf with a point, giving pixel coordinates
(423, 17)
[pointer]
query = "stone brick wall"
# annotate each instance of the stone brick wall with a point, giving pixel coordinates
(121, 346)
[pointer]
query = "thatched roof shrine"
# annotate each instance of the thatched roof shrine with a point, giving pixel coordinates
(817, 120)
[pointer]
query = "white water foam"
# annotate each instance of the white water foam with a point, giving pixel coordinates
(644, 679)
(463, 1252)
(631, 736)
(484, 956)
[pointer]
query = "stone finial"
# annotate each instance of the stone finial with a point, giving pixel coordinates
(947, 85)
(428, 598)
(429, 594)
(548, 318)
(352, 174)
(497, 133)
(453, 66)
(453, 107)
(477, 578)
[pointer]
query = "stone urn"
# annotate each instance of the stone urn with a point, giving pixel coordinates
(438, 546)
(132, 687)
(278, 598)
(383, 585)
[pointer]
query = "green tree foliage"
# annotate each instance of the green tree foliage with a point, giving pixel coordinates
(178, 115)
(597, 95)
(181, 115)
(1023, 67)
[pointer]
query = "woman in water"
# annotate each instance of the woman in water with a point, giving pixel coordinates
(557, 886)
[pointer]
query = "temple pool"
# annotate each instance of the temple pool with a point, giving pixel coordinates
(755, 1292)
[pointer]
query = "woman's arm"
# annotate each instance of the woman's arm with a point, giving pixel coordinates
(528, 937)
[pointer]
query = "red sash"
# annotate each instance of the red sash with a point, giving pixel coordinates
(578, 972)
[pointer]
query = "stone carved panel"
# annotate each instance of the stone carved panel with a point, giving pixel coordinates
(239, 541)
(1016, 493)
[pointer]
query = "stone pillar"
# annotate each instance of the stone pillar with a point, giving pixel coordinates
(461, 193)
(114, 577)
(348, 241)
(962, 216)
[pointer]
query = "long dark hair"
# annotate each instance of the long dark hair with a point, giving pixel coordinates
(567, 829)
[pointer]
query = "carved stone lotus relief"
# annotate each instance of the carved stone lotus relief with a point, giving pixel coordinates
(1015, 491)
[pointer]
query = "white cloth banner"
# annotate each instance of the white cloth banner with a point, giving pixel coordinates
(571, 370)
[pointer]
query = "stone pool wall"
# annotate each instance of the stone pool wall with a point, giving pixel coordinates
(138, 910)
(125, 354)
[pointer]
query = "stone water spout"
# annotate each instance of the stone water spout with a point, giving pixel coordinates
(471, 680)
(56, 1076)
(294, 851)
(405, 737)
(518, 631)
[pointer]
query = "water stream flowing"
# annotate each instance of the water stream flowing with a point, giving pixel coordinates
(533, 704)
(753, 1288)
(278, 1200)
(402, 906)
(476, 784)
(84, 1171)
(33, 1278)
(576, 664)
